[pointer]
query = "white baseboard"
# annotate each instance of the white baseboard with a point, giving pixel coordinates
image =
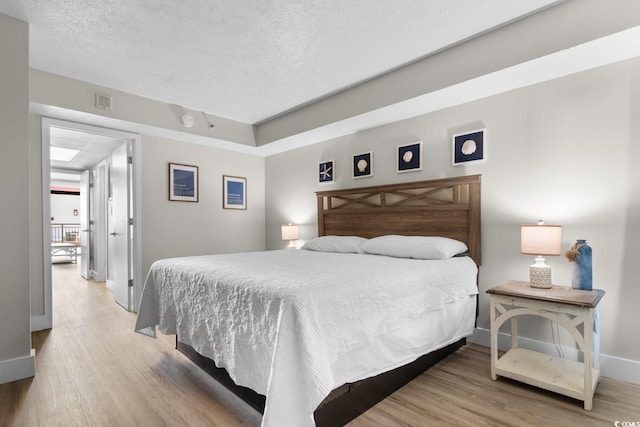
(40, 323)
(610, 366)
(17, 369)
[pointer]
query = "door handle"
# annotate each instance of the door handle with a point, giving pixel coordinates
(87, 230)
(113, 234)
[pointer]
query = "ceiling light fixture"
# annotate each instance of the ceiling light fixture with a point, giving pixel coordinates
(62, 154)
(187, 120)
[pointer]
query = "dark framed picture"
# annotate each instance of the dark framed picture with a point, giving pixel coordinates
(326, 171)
(363, 165)
(234, 192)
(409, 157)
(469, 147)
(183, 183)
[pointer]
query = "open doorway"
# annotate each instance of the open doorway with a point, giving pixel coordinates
(78, 200)
(102, 170)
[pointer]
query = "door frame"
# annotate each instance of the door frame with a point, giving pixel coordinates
(46, 321)
(85, 223)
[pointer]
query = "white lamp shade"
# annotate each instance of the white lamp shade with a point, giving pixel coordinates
(543, 239)
(290, 232)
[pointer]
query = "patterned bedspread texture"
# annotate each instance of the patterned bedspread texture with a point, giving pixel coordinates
(277, 320)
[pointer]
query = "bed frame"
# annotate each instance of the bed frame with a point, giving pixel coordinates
(448, 207)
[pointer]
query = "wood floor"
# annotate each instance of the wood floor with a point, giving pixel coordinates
(93, 370)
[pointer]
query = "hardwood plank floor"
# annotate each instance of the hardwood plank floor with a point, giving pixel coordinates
(93, 370)
(459, 392)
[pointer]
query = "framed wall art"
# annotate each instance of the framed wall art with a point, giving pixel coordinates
(469, 147)
(234, 192)
(183, 183)
(409, 157)
(326, 171)
(363, 165)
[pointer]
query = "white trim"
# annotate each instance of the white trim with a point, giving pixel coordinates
(47, 322)
(610, 366)
(46, 224)
(620, 369)
(18, 368)
(136, 249)
(40, 323)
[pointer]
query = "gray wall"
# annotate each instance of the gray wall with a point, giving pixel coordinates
(50, 89)
(171, 229)
(168, 228)
(15, 339)
(565, 151)
(36, 260)
(62, 207)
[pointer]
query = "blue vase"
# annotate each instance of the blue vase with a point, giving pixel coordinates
(582, 271)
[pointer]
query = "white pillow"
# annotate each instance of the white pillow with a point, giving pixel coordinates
(418, 247)
(341, 244)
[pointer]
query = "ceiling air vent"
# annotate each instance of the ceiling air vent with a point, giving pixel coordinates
(104, 102)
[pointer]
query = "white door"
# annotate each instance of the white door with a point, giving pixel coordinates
(119, 240)
(85, 226)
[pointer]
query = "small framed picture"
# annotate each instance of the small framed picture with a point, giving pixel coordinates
(326, 171)
(469, 147)
(183, 183)
(234, 192)
(363, 165)
(409, 157)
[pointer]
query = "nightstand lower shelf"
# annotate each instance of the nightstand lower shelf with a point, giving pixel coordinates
(574, 310)
(545, 371)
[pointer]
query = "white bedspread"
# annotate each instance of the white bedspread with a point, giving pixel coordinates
(277, 320)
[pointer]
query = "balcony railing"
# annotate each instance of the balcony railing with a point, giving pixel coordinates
(65, 233)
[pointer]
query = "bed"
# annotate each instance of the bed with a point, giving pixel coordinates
(276, 333)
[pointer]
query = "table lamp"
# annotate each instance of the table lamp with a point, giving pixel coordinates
(290, 232)
(540, 239)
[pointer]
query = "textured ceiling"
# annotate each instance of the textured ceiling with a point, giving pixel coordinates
(247, 61)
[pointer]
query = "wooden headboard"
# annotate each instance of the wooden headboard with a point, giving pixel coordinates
(448, 207)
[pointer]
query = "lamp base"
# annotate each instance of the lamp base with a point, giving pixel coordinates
(540, 276)
(292, 246)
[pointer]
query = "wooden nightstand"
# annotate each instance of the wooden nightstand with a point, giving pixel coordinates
(575, 310)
